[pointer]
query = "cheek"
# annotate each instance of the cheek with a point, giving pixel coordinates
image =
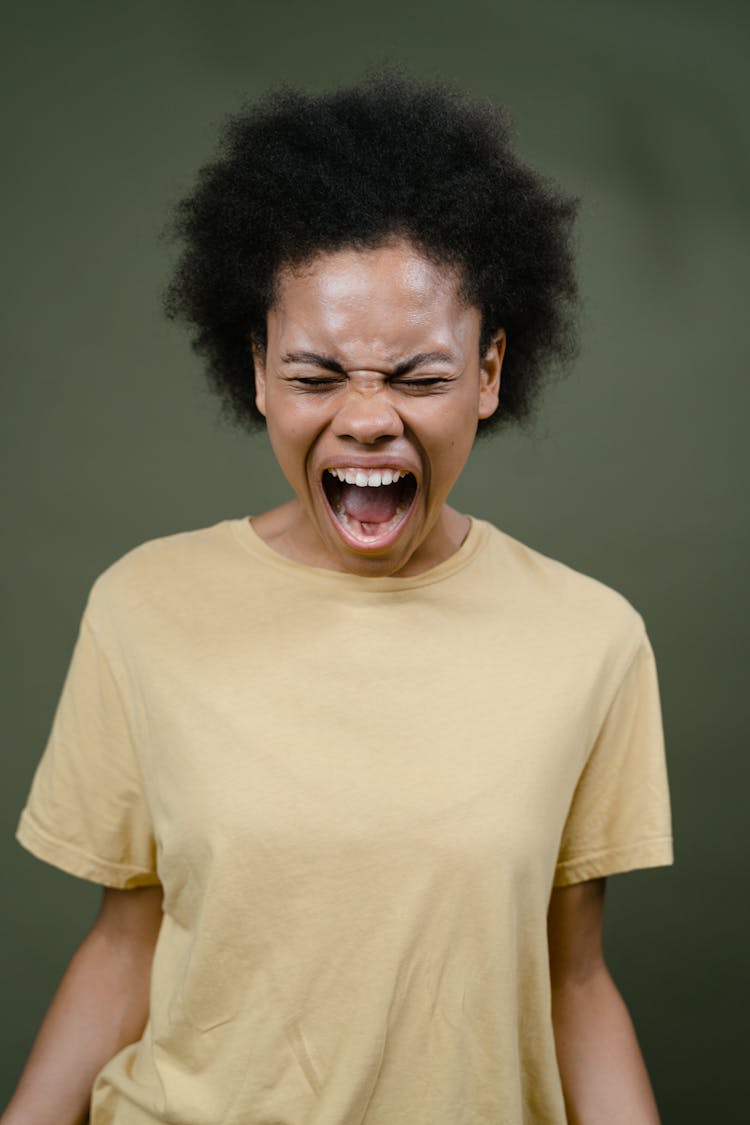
(459, 430)
(292, 442)
(283, 422)
(460, 444)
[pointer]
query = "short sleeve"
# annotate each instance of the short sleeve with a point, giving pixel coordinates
(86, 811)
(620, 815)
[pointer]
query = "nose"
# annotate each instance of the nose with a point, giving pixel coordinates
(367, 416)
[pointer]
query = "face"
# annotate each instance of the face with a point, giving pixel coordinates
(372, 386)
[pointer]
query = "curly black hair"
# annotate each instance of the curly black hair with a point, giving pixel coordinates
(299, 174)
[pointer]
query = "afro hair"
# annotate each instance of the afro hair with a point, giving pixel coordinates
(299, 174)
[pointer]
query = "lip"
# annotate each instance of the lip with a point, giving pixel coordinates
(386, 541)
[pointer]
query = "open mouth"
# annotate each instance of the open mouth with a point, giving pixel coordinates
(369, 505)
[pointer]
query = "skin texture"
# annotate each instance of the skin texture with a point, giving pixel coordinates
(100, 1006)
(604, 1077)
(370, 311)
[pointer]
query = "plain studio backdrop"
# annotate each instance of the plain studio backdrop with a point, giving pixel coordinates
(635, 472)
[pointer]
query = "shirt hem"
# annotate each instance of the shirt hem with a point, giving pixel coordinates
(49, 848)
(657, 852)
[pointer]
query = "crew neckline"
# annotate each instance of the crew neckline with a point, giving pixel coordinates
(249, 539)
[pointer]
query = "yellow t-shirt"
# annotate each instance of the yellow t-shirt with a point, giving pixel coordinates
(358, 794)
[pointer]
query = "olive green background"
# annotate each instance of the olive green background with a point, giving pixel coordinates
(635, 472)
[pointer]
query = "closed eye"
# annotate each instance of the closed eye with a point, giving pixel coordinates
(333, 381)
(431, 382)
(313, 382)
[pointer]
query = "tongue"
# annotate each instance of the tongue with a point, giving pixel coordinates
(370, 505)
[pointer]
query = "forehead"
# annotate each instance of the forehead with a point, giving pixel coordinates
(384, 299)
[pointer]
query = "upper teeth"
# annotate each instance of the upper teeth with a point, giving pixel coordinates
(368, 480)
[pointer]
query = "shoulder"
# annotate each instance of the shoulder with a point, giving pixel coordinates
(552, 597)
(163, 574)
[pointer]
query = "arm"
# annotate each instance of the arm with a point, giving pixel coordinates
(603, 1074)
(100, 1006)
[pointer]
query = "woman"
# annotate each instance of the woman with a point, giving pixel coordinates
(353, 772)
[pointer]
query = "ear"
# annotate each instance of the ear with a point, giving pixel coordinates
(489, 375)
(259, 368)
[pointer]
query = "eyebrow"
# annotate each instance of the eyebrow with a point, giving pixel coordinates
(330, 364)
